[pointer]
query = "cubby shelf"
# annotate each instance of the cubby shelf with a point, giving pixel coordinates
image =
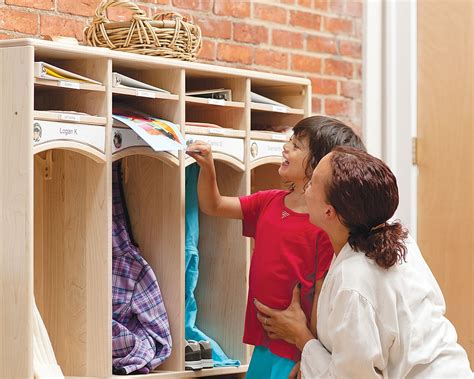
(56, 197)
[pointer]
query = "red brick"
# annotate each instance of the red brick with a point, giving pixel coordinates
(287, 39)
(216, 28)
(321, 4)
(61, 26)
(18, 21)
(208, 50)
(198, 5)
(270, 13)
(338, 68)
(357, 25)
(352, 90)
(338, 26)
(358, 71)
(234, 8)
(324, 86)
(305, 63)
(354, 8)
(161, 2)
(321, 44)
(5, 36)
(350, 48)
(271, 58)
(337, 6)
(234, 53)
(287, 1)
(250, 33)
(82, 8)
(305, 20)
(338, 107)
(38, 4)
(123, 14)
(305, 3)
(315, 105)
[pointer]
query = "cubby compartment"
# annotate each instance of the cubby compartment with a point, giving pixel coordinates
(222, 112)
(169, 80)
(221, 292)
(153, 191)
(71, 258)
(65, 99)
(276, 106)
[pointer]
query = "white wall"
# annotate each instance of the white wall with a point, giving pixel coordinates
(390, 97)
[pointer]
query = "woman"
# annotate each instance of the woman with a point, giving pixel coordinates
(380, 312)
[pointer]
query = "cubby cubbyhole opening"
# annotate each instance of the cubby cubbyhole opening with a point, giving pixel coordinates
(72, 259)
(166, 110)
(221, 292)
(92, 102)
(262, 120)
(152, 190)
(168, 79)
(291, 95)
(202, 81)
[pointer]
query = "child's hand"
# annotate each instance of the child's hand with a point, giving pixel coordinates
(295, 372)
(201, 152)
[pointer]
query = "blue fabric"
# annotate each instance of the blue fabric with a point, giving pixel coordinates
(192, 269)
(266, 365)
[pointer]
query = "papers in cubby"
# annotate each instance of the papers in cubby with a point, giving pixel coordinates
(122, 81)
(256, 98)
(217, 94)
(161, 135)
(45, 70)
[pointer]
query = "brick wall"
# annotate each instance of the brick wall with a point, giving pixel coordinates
(318, 39)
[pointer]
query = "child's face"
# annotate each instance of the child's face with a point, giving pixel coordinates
(295, 156)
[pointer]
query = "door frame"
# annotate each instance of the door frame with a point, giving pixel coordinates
(390, 95)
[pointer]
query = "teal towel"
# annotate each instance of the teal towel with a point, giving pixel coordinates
(192, 269)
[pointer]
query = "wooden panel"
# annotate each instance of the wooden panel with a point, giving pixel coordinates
(222, 286)
(154, 194)
(16, 209)
(445, 159)
(73, 288)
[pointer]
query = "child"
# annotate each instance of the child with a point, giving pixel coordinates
(288, 249)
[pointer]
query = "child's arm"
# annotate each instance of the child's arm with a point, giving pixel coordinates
(313, 323)
(210, 200)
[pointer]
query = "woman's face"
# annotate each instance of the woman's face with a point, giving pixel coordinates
(315, 195)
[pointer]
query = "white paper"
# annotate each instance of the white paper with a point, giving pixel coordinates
(157, 142)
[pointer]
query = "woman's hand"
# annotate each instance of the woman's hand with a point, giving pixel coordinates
(289, 324)
(201, 152)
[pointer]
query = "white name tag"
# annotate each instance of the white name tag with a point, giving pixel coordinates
(49, 131)
(216, 101)
(69, 117)
(277, 108)
(67, 84)
(144, 93)
(221, 132)
(262, 149)
(279, 137)
(233, 147)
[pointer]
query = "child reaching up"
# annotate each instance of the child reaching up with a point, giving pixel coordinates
(288, 249)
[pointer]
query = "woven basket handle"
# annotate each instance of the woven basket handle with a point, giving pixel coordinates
(169, 16)
(101, 11)
(140, 22)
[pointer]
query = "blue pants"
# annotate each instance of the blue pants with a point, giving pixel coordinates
(266, 365)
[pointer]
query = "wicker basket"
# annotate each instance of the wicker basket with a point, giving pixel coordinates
(167, 35)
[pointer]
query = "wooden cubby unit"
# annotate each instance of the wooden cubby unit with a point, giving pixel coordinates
(56, 197)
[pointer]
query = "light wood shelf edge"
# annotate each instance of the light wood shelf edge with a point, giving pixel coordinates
(73, 146)
(82, 86)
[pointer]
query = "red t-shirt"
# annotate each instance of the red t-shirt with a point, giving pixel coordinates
(288, 250)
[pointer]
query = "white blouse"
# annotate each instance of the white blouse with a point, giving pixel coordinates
(377, 323)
